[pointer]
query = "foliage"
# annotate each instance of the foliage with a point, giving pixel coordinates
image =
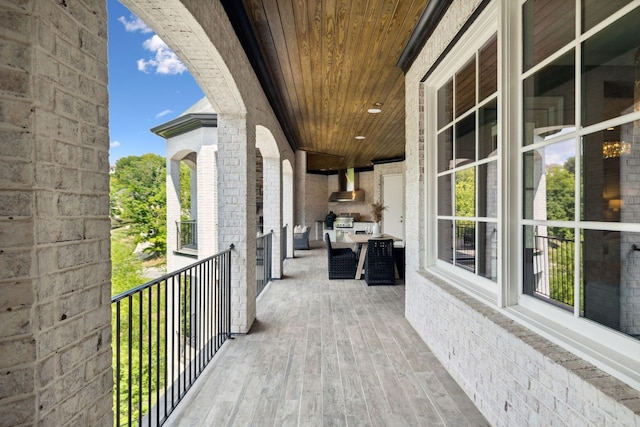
(185, 192)
(377, 210)
(138, 198)
(127, 274)
(561, 197)
(466, 192)
(126, 269)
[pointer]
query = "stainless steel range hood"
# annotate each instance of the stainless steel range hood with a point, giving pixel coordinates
(348, 187)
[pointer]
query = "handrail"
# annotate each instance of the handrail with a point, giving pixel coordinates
(165, 332)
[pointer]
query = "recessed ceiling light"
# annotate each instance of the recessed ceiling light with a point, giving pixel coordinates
(376, 108)
(610, 128)
(360, 137)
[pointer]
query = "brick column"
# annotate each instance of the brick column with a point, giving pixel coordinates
(272, 199)
(207, 201)
(55, 265)
(287, 205)
(173, 211)
(237, 212)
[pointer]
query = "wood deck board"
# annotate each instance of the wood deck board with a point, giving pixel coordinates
(326, 353)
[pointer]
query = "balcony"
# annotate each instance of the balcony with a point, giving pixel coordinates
(187, 232)
(325, 353)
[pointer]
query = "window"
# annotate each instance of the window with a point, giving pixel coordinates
(581, 159)
(467, 168)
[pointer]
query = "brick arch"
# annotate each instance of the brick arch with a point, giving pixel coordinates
(266, 143)
(207, 63)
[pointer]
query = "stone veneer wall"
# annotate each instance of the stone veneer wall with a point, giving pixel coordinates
(55, 293)
(514, 376)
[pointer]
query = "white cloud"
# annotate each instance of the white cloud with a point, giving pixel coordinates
(134, 24)
(114, 144)
(165, 60)
(163, 113)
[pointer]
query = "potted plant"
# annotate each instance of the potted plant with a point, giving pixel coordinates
(376, 214)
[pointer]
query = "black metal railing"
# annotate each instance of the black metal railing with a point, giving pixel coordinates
(466, 245)
(187, 234)
(283, 244)
(554, 268)
(263, 260)
(164, 333)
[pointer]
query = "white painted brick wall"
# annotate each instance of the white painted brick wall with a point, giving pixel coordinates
(54, 204)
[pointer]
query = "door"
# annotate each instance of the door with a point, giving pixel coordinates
(393, 199)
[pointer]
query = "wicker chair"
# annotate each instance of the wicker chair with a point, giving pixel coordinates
(341, 262)
(379, 264)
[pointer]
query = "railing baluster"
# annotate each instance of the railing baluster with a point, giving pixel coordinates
(191, 301)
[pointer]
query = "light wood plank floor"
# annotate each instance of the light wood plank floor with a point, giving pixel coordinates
(326, 353)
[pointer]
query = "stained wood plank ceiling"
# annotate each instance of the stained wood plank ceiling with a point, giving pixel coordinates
(330, 61)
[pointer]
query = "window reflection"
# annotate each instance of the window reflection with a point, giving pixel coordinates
(465, 140)
(549, 179)
(610, 70)
(487, 250)
(445, 240)
(606, 159)
(548, 261)
(547, 26)
(488, 190)
(466, 87)
(549, 100)
(595, 11)
(444, 195)
(445, 150)
(466, 192)
(445, 104)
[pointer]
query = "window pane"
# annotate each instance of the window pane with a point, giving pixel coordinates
(466, 87)
(488, 131)
(445, 150)
(547, 26)
(466, 192)
(549, 179)
(549, 100)
(595, 11)
(466, 140)
(445, 240)
(609, 71)
(548, 258)
(488, 190)
(445, 104)
(444, 195)
(466, 245)
(487, 250)
(488, 79)
(610, 175)
(610, 279)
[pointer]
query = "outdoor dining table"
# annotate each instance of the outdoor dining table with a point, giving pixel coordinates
(363, 239)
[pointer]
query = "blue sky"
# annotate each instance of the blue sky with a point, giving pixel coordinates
(148, 85)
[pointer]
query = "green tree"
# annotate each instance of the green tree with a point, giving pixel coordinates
(138, 198)
(561, 196)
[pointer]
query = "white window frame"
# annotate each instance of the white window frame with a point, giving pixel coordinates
(612, 351)
(485, 26)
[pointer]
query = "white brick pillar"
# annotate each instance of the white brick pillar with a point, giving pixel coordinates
(237, 213)
(300, 172)
(207, 201)
(272, 199)
(173, 210)
(55, 293)
(287, 204)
